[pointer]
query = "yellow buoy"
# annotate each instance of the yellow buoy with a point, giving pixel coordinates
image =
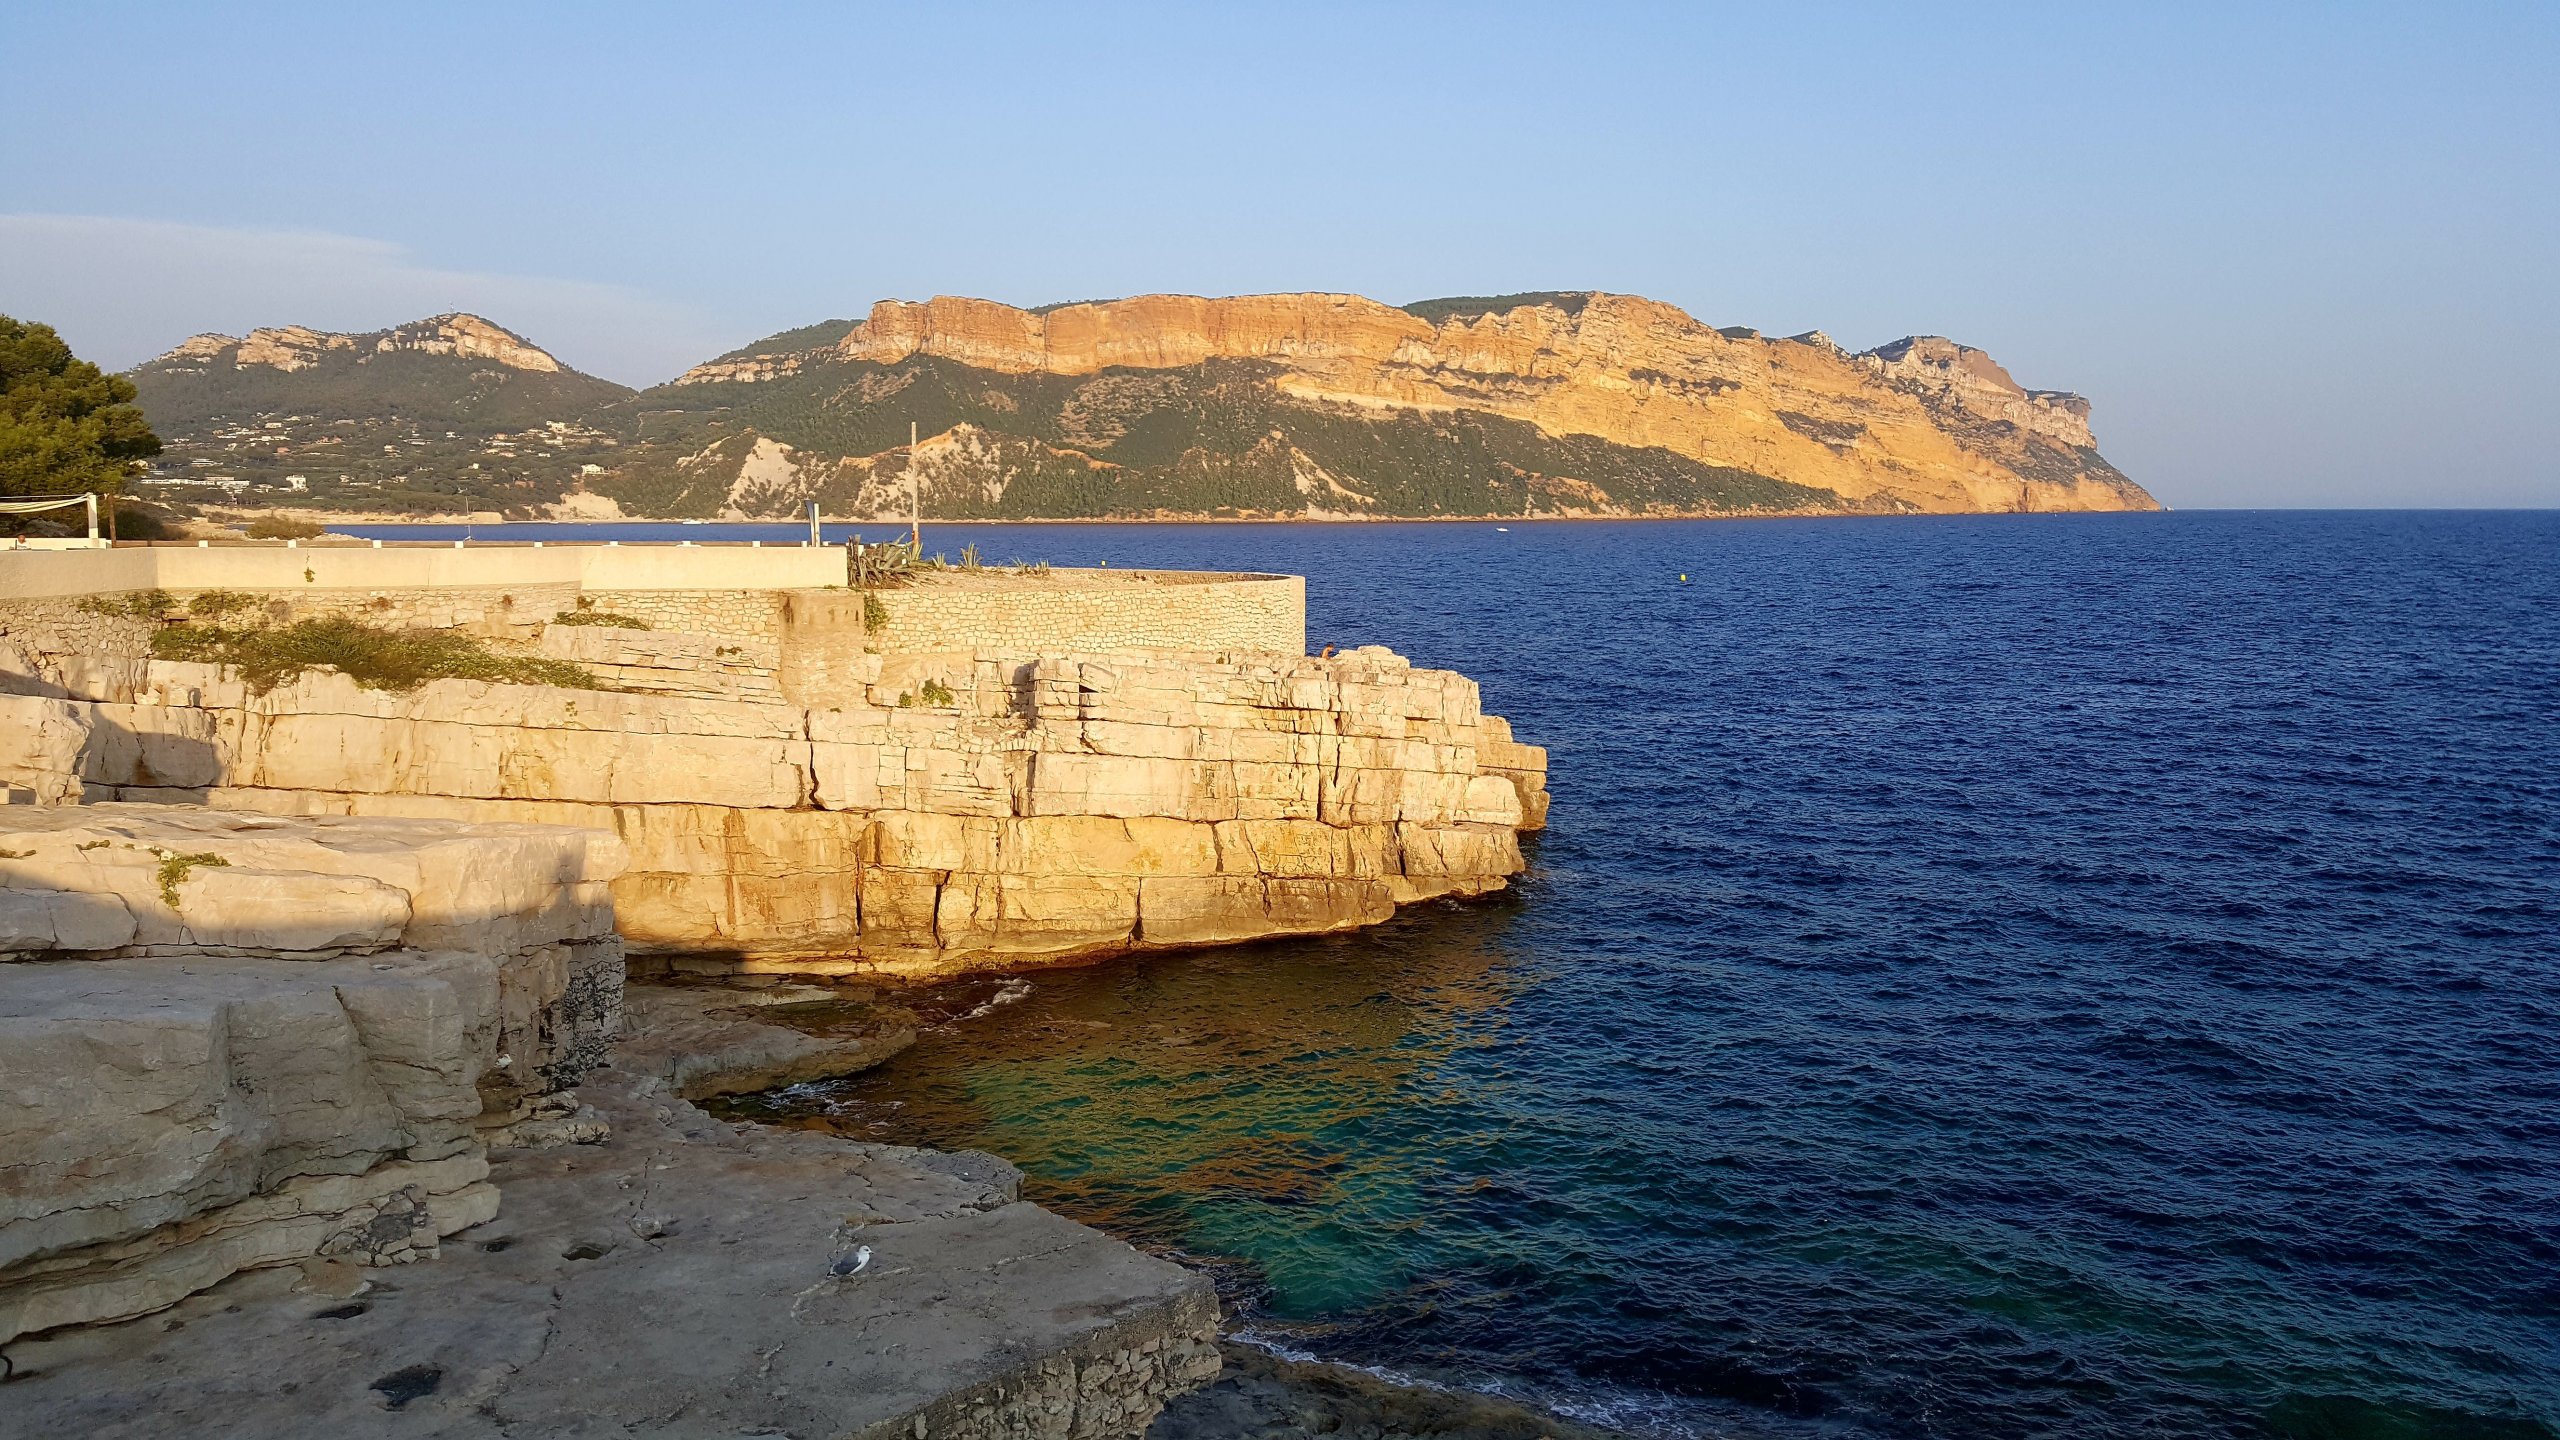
(1684, 579)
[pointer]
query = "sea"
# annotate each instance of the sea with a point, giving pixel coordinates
(1984, 976)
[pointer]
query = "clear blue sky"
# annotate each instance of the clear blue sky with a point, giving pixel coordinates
(2297, 255)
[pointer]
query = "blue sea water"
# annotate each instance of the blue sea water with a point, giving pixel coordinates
(1986, 976)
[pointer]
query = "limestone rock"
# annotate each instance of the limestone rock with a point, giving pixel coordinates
(1044, 808)
(686, 1267)
(229, 1041)
(706, 1040)
(1922, 424)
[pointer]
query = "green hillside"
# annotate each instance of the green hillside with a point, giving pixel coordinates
(358, 426)
(1216, 438)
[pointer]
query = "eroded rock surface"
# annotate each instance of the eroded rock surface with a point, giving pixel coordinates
(234, 1041)
(921, 814)
(688, 1277)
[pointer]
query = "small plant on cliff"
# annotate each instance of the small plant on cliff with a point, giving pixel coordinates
(215, 604)
(969, 558)
(875, 616)
(373, 657)
(934, 692)
(132, 605)
(174, 869)
(605, 618)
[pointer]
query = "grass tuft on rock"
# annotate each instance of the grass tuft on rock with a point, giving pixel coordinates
(372, 656)
(600, 617)
(174, 869)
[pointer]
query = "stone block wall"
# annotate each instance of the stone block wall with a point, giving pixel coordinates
(1069, 614)
(730, 615)
(948, 812)
(826, 633)
(702, 667)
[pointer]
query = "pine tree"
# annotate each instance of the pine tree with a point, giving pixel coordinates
(65, 425)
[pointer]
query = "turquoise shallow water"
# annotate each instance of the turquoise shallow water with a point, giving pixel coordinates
(1986, 977)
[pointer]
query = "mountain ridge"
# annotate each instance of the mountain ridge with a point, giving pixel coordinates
(1302, 404)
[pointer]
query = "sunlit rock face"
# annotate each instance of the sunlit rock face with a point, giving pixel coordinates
(921, 814)
(295, 347)
(235, 1041)
(1922, 424)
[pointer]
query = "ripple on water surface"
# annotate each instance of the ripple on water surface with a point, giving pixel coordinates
(2087, 976)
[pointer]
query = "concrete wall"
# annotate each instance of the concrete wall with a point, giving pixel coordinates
(783, 610)
(33, 574)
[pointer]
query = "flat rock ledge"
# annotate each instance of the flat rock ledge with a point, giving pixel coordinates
(687, 1277)
(251, 1068)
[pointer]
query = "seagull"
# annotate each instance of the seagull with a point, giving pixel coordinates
(851, 1265)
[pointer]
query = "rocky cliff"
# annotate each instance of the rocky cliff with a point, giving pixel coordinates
(1309, 405)
(1571, 404)
(230, 1042)
(295, 347)
(852, 811)
(263, 1059)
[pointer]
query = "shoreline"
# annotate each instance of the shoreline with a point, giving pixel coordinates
(900, 522)
(1271, 1388)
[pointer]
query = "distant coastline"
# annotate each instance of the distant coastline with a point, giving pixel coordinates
(1159, 407)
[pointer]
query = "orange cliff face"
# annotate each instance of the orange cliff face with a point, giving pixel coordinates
(1922, 424)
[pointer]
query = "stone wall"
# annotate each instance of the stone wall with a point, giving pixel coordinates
(233, 1041)
(730, 615)
(826, 633)
(807, 641)
(698, 666)
(1068, 613)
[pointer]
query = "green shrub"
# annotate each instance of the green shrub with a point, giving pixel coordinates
(284, 527)
(875, 616)
(934, 692)
(373, 657)
(214, 604)
(131, 605)
(605, 618)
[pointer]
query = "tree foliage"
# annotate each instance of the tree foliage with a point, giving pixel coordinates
(65, 425)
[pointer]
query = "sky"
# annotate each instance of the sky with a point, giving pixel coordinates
(2296, 255)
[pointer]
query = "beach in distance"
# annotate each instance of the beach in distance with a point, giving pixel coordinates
(1987, 975)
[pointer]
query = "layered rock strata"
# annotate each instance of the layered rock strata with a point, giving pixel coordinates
(297, 347)
(229, 1042)
(940, 812)
(1922, 424)
(687, 1276)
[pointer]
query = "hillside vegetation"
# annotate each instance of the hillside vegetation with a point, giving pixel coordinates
(1545, 403)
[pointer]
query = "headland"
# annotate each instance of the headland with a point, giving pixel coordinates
(1315, 406)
